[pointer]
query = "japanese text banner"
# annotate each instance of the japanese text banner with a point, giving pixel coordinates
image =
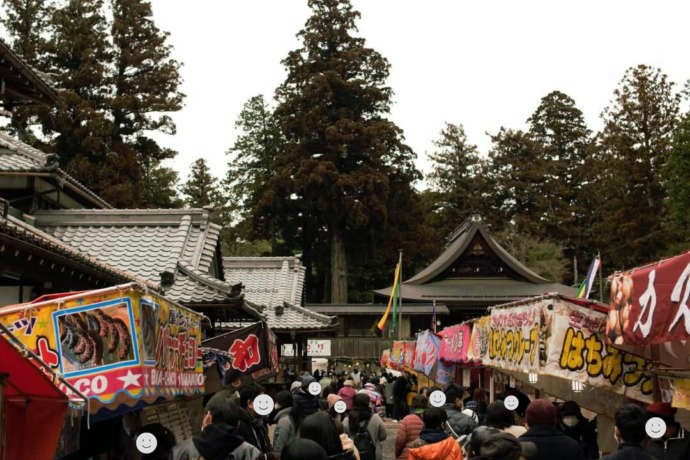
(514, 338)
(455, 341)
(479, 340)
(426, 354)
(650, 305)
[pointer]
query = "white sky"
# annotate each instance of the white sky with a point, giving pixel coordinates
(484, 64)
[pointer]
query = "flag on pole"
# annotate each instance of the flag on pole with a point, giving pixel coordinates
(586, 285)
(392, 303)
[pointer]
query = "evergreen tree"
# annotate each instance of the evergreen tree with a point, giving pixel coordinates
(636, 142)
(159, 186)
(677, 176)
(201, 188)
(28, 23)
(333, 180)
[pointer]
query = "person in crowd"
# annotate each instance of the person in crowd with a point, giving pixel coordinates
(165, 441)
(356, 377)
(220, 437)
(252, 425)
(304, 403)
(348, 392)
(630, 433)
(572, 423)
(366, 429)
(551, 443)
(410, 427)
(400, 389)
(459, 422)
(523, 400)
(388, 396)
(326, 381)
(375, 397)
(478, 404)
(319, 427)
(500, 446)
(499, 417)
(304, 449)
(433, 442)
(285, 431)
(332, 399)
(296, 385)
(674, 444)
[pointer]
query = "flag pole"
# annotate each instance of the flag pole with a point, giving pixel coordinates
(601, 279)
(400, 277)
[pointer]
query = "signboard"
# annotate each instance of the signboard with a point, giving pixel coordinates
(426, 354)
(650, 305)
(514, 338)
(479, 339)
(287, 349)
(116, 346)
(396, 354)
(574, 348)
(385, 358)
(444, 373)
(455, 341)
(408, 353)
(318, 347)
(247, 351)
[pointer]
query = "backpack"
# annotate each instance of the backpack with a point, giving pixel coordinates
(365, 445)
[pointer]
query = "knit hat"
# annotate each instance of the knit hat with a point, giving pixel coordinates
(349, 383)
(332, 399)
(661, 409)
(541, 412)
(570, 408)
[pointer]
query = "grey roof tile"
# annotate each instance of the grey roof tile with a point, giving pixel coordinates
(293, 317)
(269, 281)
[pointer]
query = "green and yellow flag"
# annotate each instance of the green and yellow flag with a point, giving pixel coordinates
(393, 302)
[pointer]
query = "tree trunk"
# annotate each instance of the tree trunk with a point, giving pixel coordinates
(338, 267)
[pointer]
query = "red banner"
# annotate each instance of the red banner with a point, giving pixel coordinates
(454, 344)
(649, 305)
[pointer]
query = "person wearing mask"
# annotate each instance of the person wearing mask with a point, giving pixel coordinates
(631, 435)
(400, 389)
(220, 437)
(410, 427)
(574, 424)
(304, 403)
(285, 430)
(459, 422)
(434, 443)
(304, 449)
(347, 392)
(499, 417)
(366, 429)
(674, 444)
(551, 443)
(319, 427)
(252, 425)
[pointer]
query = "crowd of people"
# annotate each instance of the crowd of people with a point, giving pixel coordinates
(308, 426)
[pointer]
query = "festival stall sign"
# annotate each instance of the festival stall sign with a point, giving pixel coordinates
(250, 351)
(385, 358)
(426, 353)
(514, 338)
(455, 341)
(119, 345)
(408, 351)
(444, 372)
(574, 348)
(649, 305)
(479, 339)
(396, 354)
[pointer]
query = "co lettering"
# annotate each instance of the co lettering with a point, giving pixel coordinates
(96, 386)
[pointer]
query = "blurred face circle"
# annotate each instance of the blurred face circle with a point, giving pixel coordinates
(437, 398)
(314, 388)
(340, 407)
(570, 420)
(655, 427)
(146, 443)
(263, 404)
(511, 402)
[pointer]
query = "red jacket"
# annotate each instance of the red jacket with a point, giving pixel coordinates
(448, 449)
(408, 431)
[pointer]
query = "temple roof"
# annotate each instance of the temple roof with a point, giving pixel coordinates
(22, 83)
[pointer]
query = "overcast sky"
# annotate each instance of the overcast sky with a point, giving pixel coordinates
(483, 64)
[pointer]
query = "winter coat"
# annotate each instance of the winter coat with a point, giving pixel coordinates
(585, 433)
(629, 452)
(676, 448)
(348, 395)
(285, 432)
(552, 444)
(435, 445)
(459, 422)
(254, 431)
(216, 442)
(409, 430)
(377, 431)
(304, 404)
(388, 393)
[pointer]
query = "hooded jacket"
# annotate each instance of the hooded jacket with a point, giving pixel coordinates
(254, 431)
(459, 422)
(409, 430)
(585, 432)
(216, 442)
(285, 432)
(435, 445)
(552, 443)
(675, 448)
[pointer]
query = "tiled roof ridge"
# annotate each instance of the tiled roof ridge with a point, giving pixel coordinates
(116, 217)
(40, 78)
(199, 277)
(260, 258)
(316, 315)
(23, 149)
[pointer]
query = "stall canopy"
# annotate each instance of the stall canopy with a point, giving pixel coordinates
(29, 394)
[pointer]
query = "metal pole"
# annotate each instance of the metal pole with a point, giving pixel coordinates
(601, 279)
(400, 295)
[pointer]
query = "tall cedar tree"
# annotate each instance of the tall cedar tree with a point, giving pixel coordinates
(636, 142)
(341, 155)
(201, 188)
(457, 174)
(677, 175)
(146, 82)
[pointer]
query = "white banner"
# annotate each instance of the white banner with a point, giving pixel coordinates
(318, 347)
(287, 349)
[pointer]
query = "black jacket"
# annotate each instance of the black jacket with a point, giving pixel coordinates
(585, 433)
(216, 442)
(676, 448)
(629, 452)
(552, 444)
(254, 431)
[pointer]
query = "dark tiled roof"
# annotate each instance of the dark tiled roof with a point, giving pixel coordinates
(268, 281)
(293, 317)
(376, 309)
(17, 157)
(32, 80)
